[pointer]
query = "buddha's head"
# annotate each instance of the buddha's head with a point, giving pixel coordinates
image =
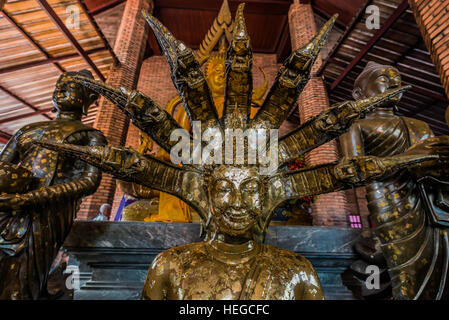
(71, 97)
(236, 198)
(215, 74)
(376, 79)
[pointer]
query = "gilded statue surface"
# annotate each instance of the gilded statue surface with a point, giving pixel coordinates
(40, 191)
(236, 198)
(414, 244)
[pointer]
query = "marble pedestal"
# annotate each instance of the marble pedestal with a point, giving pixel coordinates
(113, 257)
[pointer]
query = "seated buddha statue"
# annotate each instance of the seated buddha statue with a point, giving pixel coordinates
(41, 191)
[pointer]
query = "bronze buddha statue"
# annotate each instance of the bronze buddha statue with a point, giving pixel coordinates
(415, 247)
(35, 219)
(236, 200)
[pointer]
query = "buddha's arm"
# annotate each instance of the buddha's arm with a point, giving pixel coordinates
(157, 281)
(85, 185)
(10, 152)
(436, 168)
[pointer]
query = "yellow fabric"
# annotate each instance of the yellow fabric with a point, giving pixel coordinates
(171, 209)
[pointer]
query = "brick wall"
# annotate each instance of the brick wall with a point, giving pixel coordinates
(432, 17)
(129, 48)
(330, 209)
(108, 22)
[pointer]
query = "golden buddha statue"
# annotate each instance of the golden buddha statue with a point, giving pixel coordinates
(236, 199)
(214, 74)
(40, 191)
(413, 240)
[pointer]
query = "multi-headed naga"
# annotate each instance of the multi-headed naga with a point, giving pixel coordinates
(235, 200)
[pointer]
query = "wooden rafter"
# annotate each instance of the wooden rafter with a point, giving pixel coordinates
(107, 6)
(61, 26)
(355, 19)
(24, 116)
(30, 39)
(385, 27)
(15, 96)
(98, 31)
(46, 61)
(4, 136)
(284, 45)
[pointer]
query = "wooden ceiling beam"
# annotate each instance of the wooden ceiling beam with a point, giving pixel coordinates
(272, 7)
(101, 8)
(24, 116)
(429, 93)
(98, 30)
(385, 27)
(30, 39)
(13, 95)
(61, 26)
(46, 61)
(415, 88)
(326, 16)
(284, 44)
(4, 136)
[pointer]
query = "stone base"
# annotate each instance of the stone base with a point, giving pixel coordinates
(113, 257)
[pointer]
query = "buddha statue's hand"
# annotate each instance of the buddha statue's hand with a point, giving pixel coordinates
(359, 171)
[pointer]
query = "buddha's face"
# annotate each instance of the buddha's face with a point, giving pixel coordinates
(237, 198)
(68, 95)
(216, 76)
(382, 80)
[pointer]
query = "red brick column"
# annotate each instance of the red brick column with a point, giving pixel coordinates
(129, 47)
(432, 17)
(330, 209)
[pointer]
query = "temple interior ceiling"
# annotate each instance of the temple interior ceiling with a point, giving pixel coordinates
(34, 50)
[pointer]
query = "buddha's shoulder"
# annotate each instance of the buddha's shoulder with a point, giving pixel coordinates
(296, 262)
(179, 254)
(418, 130)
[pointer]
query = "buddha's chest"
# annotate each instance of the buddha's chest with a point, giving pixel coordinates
(218, 281)
(385, 137)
